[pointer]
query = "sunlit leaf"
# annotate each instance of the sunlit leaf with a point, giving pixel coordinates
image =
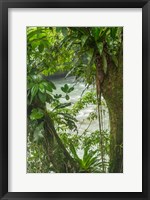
(72, 148)
(42, 87)
(35, 32)
(84, 39)
(48, 86)
(36, 114)
(100, 47)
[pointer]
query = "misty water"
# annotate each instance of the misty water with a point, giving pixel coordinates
(75, 95)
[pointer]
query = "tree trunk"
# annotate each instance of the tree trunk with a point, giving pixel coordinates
(72, 166)
(116, 131)
(112, 91)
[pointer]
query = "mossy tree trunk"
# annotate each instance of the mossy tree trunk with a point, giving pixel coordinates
(112, 91)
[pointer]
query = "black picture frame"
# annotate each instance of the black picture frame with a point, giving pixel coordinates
(4, 6)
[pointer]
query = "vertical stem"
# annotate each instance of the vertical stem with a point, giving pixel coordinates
(99, 80)
(100, 130)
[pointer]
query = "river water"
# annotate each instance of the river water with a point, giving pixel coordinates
(75, 95)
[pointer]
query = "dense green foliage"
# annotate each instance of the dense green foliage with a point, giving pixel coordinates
(55, 143)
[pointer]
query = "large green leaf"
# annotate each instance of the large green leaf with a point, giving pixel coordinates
(42, 97)
(58, 29)
(113, 32)
(48, 86)
(70, 89)
(100, 47)
(68, 116)
(34, 91)
(84, 39)
(42, 87)
(41, 48)
(62, 105)
(35, 32)
(30, 85)
(85, 153)
(64, 31)
(95, 32)
(52, 85)
(65, 88)
(75, 155)
(92, 161)
(90, 53)
(36, 114)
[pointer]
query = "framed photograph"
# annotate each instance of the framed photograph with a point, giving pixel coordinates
(74, 99)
